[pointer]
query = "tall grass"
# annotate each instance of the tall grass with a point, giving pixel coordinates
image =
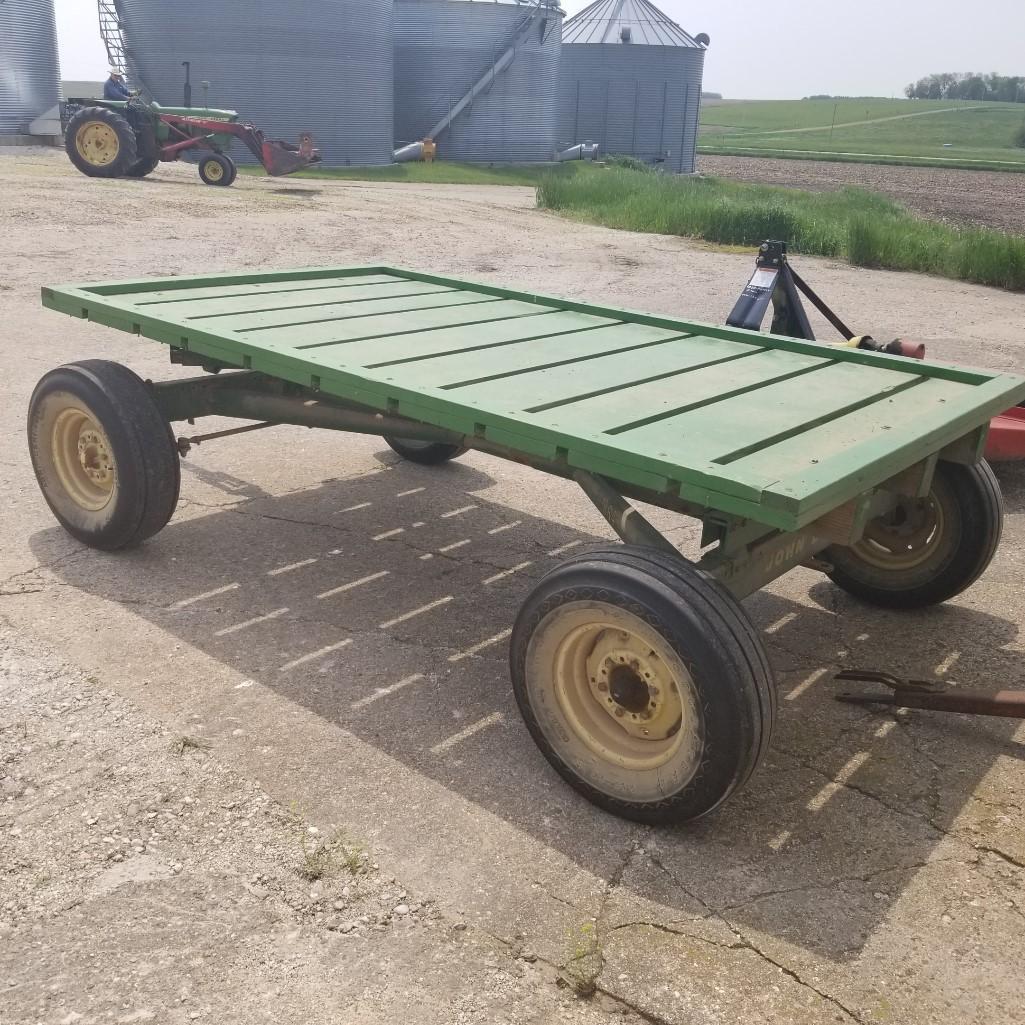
(864, 228)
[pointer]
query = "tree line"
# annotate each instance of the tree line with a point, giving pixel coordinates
(968, 85)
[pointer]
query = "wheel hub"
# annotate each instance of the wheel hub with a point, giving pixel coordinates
(634, 686)
(97, 143)
(82, 459)
(906, 537)
(95, 459)
(214, 171)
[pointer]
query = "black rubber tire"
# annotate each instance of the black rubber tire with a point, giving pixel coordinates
(146, 468)
(127, 152)
(705, 626)
(973, 508)
(228, 170)
(143, 166)
(427, 453)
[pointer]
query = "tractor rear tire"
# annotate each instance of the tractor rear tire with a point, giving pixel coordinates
(103, 454)
(101, 143)
(143, 166)
(218, 169)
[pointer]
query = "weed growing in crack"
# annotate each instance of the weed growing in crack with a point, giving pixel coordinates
(584, 961)
(321, 858)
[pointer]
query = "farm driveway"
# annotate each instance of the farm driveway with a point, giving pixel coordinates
(871, 872)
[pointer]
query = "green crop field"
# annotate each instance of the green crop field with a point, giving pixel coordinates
(864, 228)
(955, 133)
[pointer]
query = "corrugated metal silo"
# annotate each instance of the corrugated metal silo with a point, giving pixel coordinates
(631, 81)
(29, 71)
(444, 48)
(323, 66)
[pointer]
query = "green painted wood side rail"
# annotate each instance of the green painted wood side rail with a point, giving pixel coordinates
(776, 429)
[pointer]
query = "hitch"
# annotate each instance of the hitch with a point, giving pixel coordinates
(932, 696)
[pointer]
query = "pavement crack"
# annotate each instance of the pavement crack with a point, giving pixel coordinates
(796, 976)
(31, 575)
(848, 785)
(742, 942)
(997, 853)
(554, 896)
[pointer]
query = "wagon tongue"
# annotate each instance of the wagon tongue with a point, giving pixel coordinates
(283, 158)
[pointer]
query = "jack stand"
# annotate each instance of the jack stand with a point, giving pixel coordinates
(775, 281)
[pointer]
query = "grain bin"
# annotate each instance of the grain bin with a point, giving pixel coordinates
(29, 71)
(478, 76)
(630, 80)
(323, 66)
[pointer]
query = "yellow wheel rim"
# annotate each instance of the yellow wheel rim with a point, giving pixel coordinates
(214, 170)
(625, 695)
(82, 459)
(97, 143)
(906, 538)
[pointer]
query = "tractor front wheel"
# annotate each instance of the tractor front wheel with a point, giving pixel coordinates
(217, 169)
(101, 143)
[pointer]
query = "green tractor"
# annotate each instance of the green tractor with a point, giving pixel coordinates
(128, 138)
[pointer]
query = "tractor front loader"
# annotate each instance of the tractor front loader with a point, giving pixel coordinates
(128, 138)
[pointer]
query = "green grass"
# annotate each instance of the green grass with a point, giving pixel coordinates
(864, 228)
(941, 132)
(438, 173)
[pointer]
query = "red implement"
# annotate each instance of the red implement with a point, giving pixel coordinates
(277, 157)
(1006, 441)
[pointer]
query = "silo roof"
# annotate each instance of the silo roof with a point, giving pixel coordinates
(605, 20)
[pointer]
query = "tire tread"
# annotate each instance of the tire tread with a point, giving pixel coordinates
(714, 604)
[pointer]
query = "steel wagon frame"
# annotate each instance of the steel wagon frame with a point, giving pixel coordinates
(788, 452)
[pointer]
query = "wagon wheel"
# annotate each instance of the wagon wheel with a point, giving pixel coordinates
(427, 453)
(643, 683)
(103, 454)
(926, 550)
(101, 143)
(218, 169)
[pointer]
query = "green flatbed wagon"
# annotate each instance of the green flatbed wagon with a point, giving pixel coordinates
(637, 671)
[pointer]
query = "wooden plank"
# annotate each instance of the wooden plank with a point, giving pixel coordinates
(417, 346)
(714, 431)
(969, 375)
(313, 339)
(211, 308)
(745, 368)
(463, 371)
(606, 374)
(806, 457)
(244, 323)
(161, 297)
(887, 453)
(134, 286)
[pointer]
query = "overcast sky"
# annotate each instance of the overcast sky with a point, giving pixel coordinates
(763, 50)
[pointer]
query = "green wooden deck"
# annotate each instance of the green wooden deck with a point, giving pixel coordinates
(772, 428)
